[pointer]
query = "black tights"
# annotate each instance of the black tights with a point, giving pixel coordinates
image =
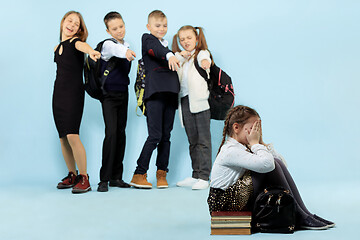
(280, 176)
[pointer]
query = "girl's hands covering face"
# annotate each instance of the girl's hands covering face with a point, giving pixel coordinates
(254, 135)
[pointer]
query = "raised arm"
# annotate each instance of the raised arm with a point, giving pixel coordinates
(111, 49)
(153, 47)
(204, 59)
(85, 48)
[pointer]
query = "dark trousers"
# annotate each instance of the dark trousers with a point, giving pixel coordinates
(160, 120)
(280, 176)
(197, 128)
(114, 107)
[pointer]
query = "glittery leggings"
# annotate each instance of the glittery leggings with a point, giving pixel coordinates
(280, 176)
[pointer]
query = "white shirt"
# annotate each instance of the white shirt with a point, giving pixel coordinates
(184, 90)
(234, 159)
(165, 44)
(111, 49)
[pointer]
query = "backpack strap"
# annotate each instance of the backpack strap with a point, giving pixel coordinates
(204, 74)
(201, 71)
(111, 39)
(110, 66)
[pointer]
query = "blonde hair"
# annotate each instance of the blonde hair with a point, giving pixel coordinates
(240, 115)
(156, 14)
(82, 34)
(201, 44)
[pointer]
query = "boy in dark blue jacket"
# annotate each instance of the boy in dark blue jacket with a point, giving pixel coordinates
(115, 102)
(161, 100)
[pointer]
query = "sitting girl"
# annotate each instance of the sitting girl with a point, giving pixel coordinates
(244, 152)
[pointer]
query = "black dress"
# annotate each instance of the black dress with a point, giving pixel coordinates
(68, 95)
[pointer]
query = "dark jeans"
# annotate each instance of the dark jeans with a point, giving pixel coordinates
(160, 120)
(197, 127)
(114, 107)
(280, 176)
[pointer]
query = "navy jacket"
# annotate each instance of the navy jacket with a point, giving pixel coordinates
(159, 78)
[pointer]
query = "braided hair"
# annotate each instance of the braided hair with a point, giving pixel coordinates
(239, 114)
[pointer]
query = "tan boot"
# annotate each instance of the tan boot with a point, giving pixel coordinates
(139, 181)
(161, 179)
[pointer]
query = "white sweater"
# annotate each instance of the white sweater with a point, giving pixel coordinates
(197, 86)
(234, 159)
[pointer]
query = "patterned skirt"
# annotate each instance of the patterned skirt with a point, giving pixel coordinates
(234, 198)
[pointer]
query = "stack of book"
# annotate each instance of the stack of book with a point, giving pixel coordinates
(231, 223)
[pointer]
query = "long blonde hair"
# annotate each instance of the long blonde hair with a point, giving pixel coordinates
(82, 34)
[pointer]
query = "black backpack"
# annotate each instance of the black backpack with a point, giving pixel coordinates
(274, 211)
(222, 96)
(94, 78)
(139, 87)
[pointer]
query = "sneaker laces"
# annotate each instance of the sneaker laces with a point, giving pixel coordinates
(83, 179)
(68, 176)
(79, 178)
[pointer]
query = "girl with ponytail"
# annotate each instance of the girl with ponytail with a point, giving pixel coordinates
(243, 154)
(194, 108)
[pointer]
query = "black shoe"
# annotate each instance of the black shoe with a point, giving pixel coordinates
(310, 223)
(103, 187)
(327, 222)
(118, 183)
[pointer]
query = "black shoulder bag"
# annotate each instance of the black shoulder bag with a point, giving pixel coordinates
(274, 211)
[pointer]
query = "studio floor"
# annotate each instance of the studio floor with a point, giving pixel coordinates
(42, 212)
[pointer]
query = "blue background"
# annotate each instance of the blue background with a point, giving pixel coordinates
(295, 62)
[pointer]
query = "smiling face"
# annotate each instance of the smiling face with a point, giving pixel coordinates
(116, 28)
(157, 27)
(187, 39)
(70, 26)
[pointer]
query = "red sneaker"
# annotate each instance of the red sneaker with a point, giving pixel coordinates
(83, 184)
(67, 182)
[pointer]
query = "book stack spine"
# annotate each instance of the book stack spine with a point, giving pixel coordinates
(231, 223)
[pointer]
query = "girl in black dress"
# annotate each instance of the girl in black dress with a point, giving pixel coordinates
(68, 98)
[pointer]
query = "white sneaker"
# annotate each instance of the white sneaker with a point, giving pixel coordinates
(187, 182)
(201, 184)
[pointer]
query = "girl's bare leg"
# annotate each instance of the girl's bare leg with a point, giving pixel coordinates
(68, 155)
(78, 151)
